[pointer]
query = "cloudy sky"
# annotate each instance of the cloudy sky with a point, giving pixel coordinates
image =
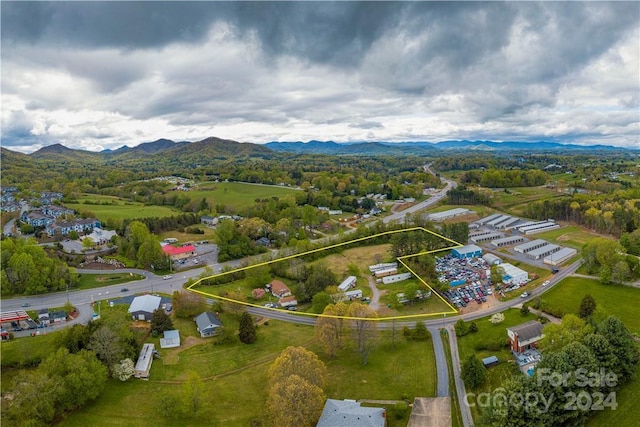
(98, 75)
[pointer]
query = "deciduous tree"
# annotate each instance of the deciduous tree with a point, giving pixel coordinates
(473, 372)
(160, 322)
(364, 328)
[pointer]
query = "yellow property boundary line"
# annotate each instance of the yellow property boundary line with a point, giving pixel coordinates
(400, 259)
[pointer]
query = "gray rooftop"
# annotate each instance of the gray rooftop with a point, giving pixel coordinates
(527, 330)
(146, 303)
(349, 413)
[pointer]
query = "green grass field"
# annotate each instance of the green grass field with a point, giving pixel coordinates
(573, 236)
(621, 301)
(235, 378)
(514, 200)
(628, 411)
(236, 194)
(119, 209)
(90, 281)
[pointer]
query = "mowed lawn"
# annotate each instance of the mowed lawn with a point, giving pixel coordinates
(573, 236)
(618, 300)
(237, 195)
(235, 378)
(118, 209)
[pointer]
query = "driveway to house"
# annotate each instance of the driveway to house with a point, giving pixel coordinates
(375, 296)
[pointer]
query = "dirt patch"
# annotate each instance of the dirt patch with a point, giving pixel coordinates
(98, 266)
(563, 238)
(172, 356)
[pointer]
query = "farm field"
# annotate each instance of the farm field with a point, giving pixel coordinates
(618, 300)
(237, 195)
(108, 208)
(516, 199)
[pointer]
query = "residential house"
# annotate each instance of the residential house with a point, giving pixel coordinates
(56, 211)
(279, 289)
(524, 336)
(208, 324)
(142, 307)
(289, 301)
(37, 219)
(100, 237)
(349, 413)
(63, 228)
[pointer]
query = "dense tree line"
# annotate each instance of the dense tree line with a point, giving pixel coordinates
(500, 178)
(27, 269)
(137, 243)
(614, 213)
(462, 195)
(608, 259)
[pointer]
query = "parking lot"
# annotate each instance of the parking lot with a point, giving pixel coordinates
(472, 273)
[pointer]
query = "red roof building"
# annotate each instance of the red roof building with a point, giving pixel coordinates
(179, 252)
(279, 289)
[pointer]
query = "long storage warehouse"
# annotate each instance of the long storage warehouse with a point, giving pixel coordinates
(486, 219)
(508, 241)
(543, 251)
(451, 213)
(542, 228)
(486, 237)
(529, 246)
(559, 257)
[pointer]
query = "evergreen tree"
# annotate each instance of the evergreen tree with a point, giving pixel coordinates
(587, 306)
(160, 322)
(247, 330)
(473, 372)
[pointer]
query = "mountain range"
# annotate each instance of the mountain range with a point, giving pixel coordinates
(216, 148)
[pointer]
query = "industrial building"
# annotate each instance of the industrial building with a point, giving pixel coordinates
(498, 220)
(508, 241)
(491, 259)
(468, 251)
(543, 251)
(486, 237)
(514, 275)
(560, 256)
(484, 220)
(529, 246)
(541, 228)
(451, 213)
(505, 225)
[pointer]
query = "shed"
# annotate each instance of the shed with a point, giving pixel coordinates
(208, 324)
(143, 365)
(490, 361)
(142, 307)
(492, 259)
(171, 339)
